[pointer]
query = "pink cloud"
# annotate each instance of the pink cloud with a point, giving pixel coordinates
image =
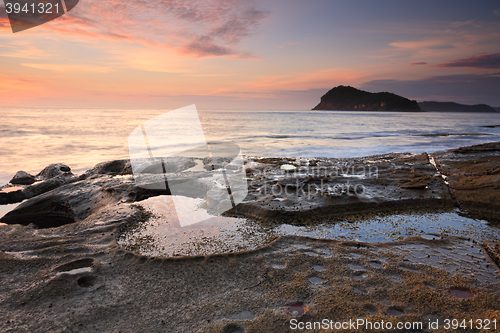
(6, 78)
(459, 24)
(417, 63)
(205, 47)
(199, 28)
(479, 61)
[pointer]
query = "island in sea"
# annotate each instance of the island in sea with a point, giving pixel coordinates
(346, 98)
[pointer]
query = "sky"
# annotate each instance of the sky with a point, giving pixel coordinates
(251, 54)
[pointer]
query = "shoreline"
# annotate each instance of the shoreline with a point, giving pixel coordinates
(351, 136)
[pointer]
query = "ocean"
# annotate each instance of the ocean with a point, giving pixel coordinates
(31, 139)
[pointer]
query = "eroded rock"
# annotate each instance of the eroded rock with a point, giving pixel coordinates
(116, 167)
(51, 177)
(49, 184)
(311, 191)
(42, 211)
(415, 277)
(335, 187)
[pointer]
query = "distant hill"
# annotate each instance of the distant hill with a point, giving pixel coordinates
(454, 107)
(497, 109)
(346, 98)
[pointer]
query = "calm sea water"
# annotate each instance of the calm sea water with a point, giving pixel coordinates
(30, 139)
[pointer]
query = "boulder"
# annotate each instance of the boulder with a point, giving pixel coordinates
(52, 171)
(115, 167)
(23, 178)
(42, 211)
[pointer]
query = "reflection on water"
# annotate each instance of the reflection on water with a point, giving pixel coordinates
(4, 209)
(461, 293)
(161, 234)
(76, 271)
(11, 189)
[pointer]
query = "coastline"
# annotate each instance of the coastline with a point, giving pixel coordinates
(337, 134)
(76, 277)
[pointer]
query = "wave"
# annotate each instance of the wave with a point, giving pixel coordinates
(453, 134)
(353, 136)
(6, 133)
(340, 136)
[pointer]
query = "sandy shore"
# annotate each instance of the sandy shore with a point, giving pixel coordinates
(63, 270)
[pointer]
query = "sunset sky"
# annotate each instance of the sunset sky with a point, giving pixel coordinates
(270, 54)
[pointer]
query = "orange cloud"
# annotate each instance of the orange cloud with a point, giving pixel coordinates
(5, 24)
(13, 89)
(69, 68)
(22, 50)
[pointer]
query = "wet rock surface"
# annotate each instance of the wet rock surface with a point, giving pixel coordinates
(336, 187)
(302, 190)
(76, 278)
(11, 194)
(473, 174)
(116, 167)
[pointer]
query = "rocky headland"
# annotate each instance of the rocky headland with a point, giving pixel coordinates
(454, 107)
(346, 98)
(64, 271)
